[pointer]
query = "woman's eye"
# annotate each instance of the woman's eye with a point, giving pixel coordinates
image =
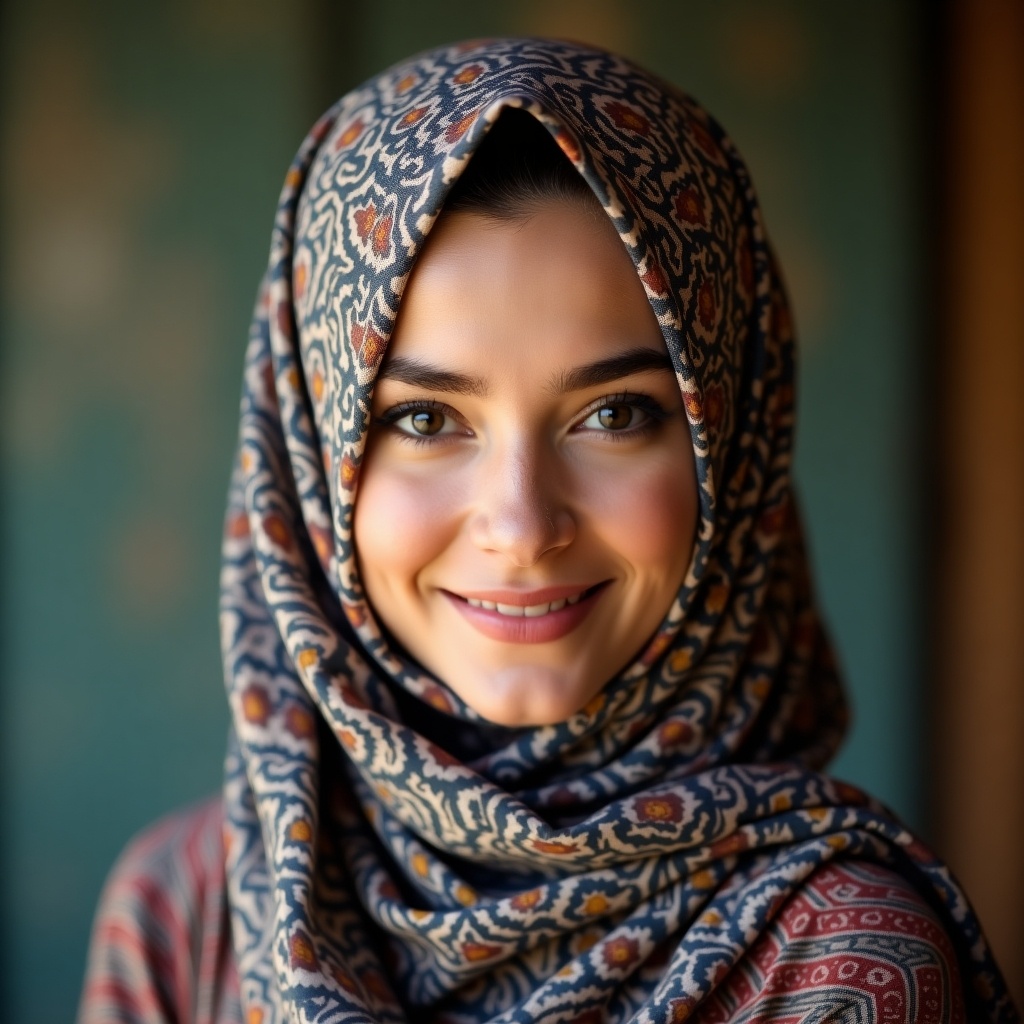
(615, 416)
(424, 422)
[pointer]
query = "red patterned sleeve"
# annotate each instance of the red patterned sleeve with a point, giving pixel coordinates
(160, 948)
(857, 942)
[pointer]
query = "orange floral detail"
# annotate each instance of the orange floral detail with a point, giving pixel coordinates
(373, 348)
(474, 952)
(711, 918)
(655, 280)
(301, 952)
(405, 84)
(419, 914)
(300, 832)
(681, 660)
(628, 118)
(465, 895)
(468, 75)
(706, 303)
(254, 1016)
(668, 808)
(256, 704)
(293, 178)
(675, 732)
(620, 952)
(703, 139)
(414, 115)
(345, 980)
(247, 462)
(238, 526)
(781, 802)
(322, 542)
(760, 687)
(277, 530)
(317, 384)
(299, 283)
(355, 613)
(717, 598)
(817, 814)
(596, 904)
(850, 794)
(690, 207)
(348, 473)
(365, 218)
(527, 900)
(703, 879)
(437, 698)
(656, 648)
(568, 145)
(837, 842)
(557, 849)
(294, 379)
(736, 843)
(455, 131)
(679, 1011)
(382, 236)
(595, 705)
(299, 722)
(420, 864)
(350, 134)
(693, 406)
(588, 940)
(349, 740)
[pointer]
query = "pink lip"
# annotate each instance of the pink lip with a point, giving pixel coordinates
(514, 630)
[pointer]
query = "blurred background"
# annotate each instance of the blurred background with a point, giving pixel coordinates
(143, 146)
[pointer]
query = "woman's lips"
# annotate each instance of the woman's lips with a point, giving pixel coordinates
(521, 617)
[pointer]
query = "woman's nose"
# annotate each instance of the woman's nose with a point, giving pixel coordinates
(520, 511)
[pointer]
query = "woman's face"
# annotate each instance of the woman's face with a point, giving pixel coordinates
(527, 504)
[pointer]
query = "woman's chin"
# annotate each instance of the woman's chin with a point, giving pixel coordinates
(527, 695)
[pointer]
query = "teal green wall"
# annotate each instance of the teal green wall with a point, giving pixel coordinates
(144, 145)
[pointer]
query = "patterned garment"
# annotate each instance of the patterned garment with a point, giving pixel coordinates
(392, 857)
(855, 942)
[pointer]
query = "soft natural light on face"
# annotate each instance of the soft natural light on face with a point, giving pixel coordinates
(529, 451)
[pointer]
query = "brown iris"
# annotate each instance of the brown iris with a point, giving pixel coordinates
(427, 421)
(615, 417)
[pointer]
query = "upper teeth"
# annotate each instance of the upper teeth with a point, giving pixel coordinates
(530, 611)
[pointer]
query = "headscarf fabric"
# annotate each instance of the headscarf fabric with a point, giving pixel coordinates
(390, 855)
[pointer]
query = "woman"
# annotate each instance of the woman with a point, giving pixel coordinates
(529, 691)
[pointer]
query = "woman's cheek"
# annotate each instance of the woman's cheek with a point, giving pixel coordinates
(404, 519)
(650, 514)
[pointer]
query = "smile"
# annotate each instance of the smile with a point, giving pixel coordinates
(530, 611)
(539, 616)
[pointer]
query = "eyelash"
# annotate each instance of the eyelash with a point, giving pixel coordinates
(656, 415)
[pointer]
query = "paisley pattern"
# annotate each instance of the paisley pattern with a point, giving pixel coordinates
(390, 856)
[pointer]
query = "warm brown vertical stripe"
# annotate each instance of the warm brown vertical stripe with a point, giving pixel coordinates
(980, 724)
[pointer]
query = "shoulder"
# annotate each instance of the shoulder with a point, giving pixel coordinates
(856, 939)
(167, 874)
(161, 913)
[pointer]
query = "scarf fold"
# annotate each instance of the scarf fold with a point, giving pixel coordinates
(616, 864)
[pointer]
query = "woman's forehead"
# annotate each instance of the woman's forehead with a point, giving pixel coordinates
(555, 288)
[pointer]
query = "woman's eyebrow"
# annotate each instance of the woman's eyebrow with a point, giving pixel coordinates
(637, 360)
(432, 378)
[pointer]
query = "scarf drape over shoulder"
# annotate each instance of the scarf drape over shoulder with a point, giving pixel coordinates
(392, 857)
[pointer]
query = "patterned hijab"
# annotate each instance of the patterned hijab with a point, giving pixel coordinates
(390, 855)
